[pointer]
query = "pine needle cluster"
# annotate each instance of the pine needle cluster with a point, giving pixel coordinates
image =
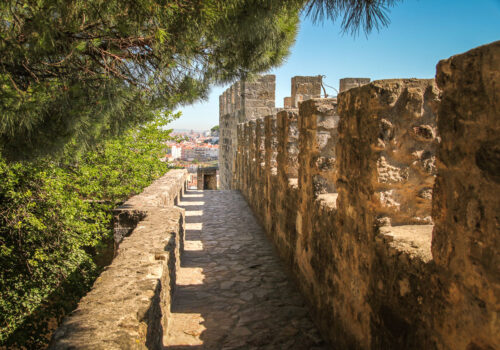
(89, 69)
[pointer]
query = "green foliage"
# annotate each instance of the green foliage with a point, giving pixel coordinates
(83, 82)
(86, 70)
(356, 14)
(55, 217)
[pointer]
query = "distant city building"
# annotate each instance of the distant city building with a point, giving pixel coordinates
(176, 152)
(198, 148)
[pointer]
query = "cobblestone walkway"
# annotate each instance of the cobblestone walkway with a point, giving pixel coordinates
(232, 290)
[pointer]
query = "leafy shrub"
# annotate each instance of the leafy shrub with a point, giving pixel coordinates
(56, 225)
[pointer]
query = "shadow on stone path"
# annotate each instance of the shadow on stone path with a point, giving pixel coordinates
(232, 290)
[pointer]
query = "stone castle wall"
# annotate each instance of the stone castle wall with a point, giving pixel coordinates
(129, 304)
(251, 100)
(243, 101)
(384, 204)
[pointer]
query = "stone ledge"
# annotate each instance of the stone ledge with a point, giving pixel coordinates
(129, 304)
(328, 201)
(161, 193)
(413, 240)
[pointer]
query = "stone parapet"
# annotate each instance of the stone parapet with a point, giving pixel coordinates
(252, 100)
(349, 83)
(164, 192)
(305, 88)
(390, 134)
(241, 102)
(287, 102)
(129, 304)
(358, 187)
(271, 143)
(466, 204)
(270, 171)
(288, 144)
(318, 122)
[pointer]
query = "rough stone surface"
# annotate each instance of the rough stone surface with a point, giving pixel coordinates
(284, 193)
(129, 304)
(243, 101)
(318, 122)
(288, 143)
(305, 88)
(391, 133)
(413, 240)
(206, 178)
(466, 205)
(339, 189)
(164, 192)
(270, 172)
(253, 100)
(287, 102)
(349, 83)
(352, 214)
(232, 290)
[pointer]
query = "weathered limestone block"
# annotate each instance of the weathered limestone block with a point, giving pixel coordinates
(318, 121)
(253, 154)
(318, 136)
(251, 143)
(394, 136)
(260, 147)
(206, 178)
(162, 193)
(385, 159)
(271, 143)
(288, 144)
(408, 294)
(258, 96)
(286, 190)
(129, 304)
(259, 178)
(246, 157)
(270, 172)
(287, 102)
(349, 83)
(239, 157)
(305, 88)
(466, 205)
(225, 145)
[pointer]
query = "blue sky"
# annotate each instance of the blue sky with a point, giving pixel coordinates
(421, 33)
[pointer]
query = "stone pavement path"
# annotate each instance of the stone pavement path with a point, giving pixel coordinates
(232, 290)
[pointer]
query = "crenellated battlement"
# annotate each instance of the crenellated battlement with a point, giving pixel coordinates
(383, 202)
(250, 100)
